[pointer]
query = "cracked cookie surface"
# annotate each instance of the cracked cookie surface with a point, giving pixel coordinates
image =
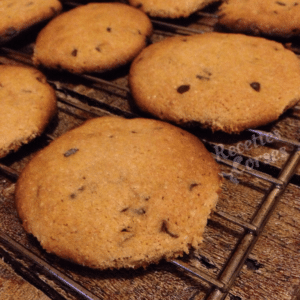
(93, 38)
(116, 193)
(227, 82)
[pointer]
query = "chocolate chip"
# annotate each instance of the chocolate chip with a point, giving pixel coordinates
(206, 76)
(124, 209)
(74, 52)
(164, 228)
(193, 185)
(98, 49)
(147, 198)
(108, 29)
(125, 230)
(202, 77)
(73, 196)
(207, 72)
(70, 152)
(183, 89)
(81, 189)
(280, 3)
(255, 86)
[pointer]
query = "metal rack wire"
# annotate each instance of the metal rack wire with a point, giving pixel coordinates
(221, 286)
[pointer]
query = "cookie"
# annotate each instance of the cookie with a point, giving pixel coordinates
(117, 193)
(170, 8)
(18, 15)
(227, 82)
(93, 38)
(256, 17)
(28, 102)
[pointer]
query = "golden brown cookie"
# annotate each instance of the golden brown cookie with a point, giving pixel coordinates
(116, 193)
(18, 15)
(170, 8)
(28, 102)
(267, 17)
(93, 38)
(227, 82)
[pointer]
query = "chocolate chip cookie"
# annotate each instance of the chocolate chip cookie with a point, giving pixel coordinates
(268, 18)
(117, 193)
(28, 103)
(170, 8)
(227, 82)
(18, 15)
(93, 38)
